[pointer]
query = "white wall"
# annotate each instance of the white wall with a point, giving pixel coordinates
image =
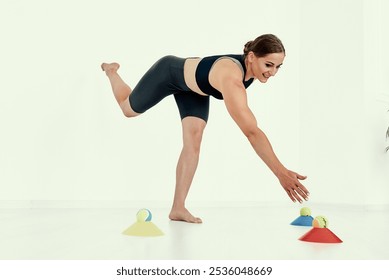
(376, 100)
(64, 138)
(331, 74)
(342, 122)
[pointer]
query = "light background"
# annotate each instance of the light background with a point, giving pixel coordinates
(64, 140)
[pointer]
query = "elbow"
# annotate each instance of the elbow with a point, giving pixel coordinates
(249, 128)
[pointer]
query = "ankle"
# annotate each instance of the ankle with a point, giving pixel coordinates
(178, 207)
(110, 68)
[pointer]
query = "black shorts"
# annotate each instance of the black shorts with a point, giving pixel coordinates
(166, 77)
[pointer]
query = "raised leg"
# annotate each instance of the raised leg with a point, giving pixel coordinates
(192, 128)
(120, 89)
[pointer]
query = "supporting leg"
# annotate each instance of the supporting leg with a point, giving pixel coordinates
(120, 89)
(192, 128)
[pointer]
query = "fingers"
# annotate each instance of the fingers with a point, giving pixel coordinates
(295, 190)
(290, 195)
(301, 190)
(294, 195)
(298, 193)
(304, 190)
(301, 177)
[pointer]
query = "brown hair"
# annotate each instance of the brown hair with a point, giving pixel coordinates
(264, 45)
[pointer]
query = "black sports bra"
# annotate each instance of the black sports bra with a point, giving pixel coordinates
(205, 66)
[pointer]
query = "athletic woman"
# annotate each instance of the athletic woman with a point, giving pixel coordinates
(192, 81)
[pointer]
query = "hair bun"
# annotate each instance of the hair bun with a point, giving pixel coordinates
(247, 47)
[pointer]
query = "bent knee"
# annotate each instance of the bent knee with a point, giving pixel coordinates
(129, 114)
(127, 110)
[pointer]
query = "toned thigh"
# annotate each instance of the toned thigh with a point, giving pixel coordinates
(164, 78)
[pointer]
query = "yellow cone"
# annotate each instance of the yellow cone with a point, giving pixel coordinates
(143, 226)
(143, 229)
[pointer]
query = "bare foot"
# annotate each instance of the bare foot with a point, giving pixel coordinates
(183, 215)
(110, 67)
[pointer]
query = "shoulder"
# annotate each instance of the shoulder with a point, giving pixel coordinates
(227, 67)
(226, 76)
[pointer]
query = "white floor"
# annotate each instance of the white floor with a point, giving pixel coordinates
(229, 233)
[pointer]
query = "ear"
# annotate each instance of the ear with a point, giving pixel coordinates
(250, 56)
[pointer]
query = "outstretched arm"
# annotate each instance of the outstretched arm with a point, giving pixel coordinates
(235, 99)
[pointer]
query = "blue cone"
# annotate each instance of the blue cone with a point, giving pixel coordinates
(305, 221)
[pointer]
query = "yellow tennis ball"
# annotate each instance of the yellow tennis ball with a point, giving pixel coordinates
(143, 215)
(320, 222)
(305, 211)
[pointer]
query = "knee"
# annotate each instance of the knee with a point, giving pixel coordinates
(128, 114)
(194, 139)
(127, 110)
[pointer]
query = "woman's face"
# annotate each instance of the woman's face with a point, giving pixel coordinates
(264, 67)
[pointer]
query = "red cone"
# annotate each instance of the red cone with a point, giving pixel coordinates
(320, 235)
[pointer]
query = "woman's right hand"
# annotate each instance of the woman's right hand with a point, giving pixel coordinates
(290, 181)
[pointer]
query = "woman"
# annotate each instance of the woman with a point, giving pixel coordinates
(192, 81)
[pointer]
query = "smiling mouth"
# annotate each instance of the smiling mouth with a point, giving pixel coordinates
(267, 76)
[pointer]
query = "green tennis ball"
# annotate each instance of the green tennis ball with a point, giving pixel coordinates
(320, 222)
(305, 211)
(143, 215)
